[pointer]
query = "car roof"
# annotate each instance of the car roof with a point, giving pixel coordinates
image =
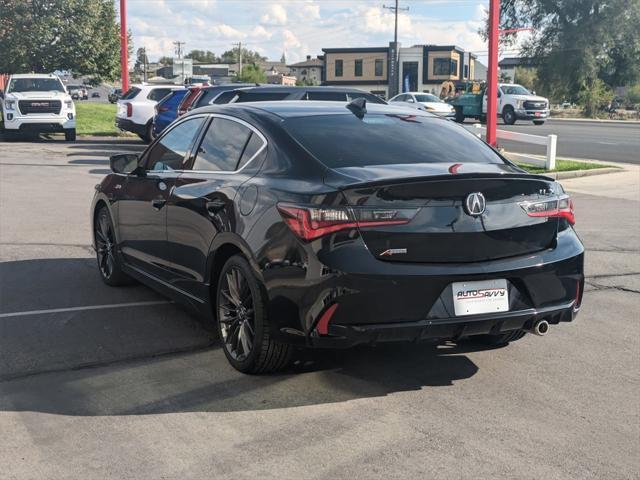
(35, 75)
(286, 88)
(305, 108)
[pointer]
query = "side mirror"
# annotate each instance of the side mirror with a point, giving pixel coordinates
(410, 100)
(124, 163)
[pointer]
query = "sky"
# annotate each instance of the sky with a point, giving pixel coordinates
(301, 27)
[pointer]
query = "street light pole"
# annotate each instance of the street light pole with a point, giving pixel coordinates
(124, 60)
(492, 72)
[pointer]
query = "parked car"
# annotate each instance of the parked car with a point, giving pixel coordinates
(166, 110)
(275, 92)
(114, 95)
(426, 102)
(193, 93)
(83, 93)
(38, 103)
(320, 224)
(95, 95)
(213, 94)
(135, 109)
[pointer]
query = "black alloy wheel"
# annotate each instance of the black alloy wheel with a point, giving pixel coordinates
(108, 261)
(242, 321)
(237, 315)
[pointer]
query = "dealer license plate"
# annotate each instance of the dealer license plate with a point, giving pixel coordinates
(486, 296)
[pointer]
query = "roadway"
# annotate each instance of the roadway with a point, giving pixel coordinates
(610, 142)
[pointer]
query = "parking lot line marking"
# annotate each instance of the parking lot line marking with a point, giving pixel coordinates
(88, 307)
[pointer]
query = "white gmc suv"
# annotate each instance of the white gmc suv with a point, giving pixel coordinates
(38, 103)
(135, 109)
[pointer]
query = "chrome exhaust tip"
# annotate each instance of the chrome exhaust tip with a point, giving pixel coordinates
(540, 328)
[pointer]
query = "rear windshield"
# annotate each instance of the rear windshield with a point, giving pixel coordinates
(383, 139)
(131, 93)
(427, 97)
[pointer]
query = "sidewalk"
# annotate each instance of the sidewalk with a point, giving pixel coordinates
(623, 184)
(595, 120)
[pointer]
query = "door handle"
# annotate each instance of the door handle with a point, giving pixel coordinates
(214, 206)
(158, 203)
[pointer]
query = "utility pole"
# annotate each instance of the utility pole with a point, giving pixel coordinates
(179, 45)
(144, 71)
(492, 72)
(239, 44)
(395, 68)
(124, 60)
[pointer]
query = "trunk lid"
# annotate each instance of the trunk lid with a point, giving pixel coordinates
(442, 229)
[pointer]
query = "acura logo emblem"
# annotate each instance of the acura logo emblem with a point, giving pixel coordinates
(475, 204)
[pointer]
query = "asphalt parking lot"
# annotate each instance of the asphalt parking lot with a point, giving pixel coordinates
(97, 382)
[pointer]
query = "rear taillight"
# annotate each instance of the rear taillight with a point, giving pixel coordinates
(129, 109)
(560, 207)
(309, 223)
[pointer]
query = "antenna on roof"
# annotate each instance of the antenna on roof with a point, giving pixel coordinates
(358, 107)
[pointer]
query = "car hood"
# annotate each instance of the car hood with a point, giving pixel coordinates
(531, 98)
(437, 106)
(37, 95)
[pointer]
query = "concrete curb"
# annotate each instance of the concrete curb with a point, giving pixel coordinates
(596, 120)
(582, 173)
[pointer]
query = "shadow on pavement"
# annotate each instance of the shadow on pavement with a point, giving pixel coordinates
(205, 382)
(159, 359)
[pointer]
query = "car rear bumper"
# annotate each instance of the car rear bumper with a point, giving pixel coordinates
(129, 126)
(393, 301)
(342, 336)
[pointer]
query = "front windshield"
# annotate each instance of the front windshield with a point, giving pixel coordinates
(514, 90)
(427, 97)
(35, 85)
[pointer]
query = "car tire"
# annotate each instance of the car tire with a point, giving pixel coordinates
(500, 339)
(459, 117)
(70, 134)
(147, 136)
(508, 115)
(109, 263)
(538, 122)
(243, 325)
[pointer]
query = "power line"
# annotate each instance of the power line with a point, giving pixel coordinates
(179, 46)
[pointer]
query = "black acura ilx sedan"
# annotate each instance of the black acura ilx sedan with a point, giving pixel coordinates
(322, 224)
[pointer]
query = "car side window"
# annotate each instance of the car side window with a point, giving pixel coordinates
(400, 98)
(224, 97)
(222, 146)
(158, 94)
(327, 96)
(169, 152)
(254, 145)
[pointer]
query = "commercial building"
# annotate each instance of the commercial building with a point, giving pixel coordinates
(363, 68)
(421, 67)
(310, 71)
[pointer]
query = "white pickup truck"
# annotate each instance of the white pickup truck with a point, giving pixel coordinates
(517, 103)
(38, 103)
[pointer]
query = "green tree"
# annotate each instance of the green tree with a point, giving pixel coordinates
(575, 42)
(202, 56)
(252, 74)
(248, 56)
(633, 94)
(526, 76)
(594, 96)
(166, 60)
(48, 35)
(307, 82)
